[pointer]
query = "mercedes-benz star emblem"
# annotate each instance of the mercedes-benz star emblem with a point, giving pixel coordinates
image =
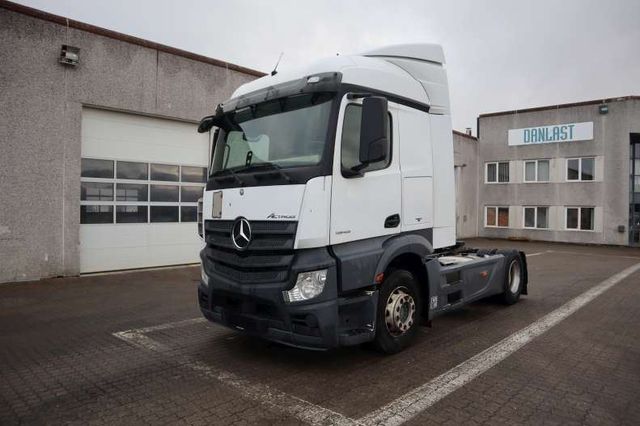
(241, 233)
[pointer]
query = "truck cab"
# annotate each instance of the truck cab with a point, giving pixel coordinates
(329, 212)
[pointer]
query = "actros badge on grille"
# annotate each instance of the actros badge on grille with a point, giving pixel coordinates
(241, 233)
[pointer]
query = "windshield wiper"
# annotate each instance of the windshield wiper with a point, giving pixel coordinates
(220, 176)
(274, 168)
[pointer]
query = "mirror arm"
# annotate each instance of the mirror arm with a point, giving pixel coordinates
(350, 173)
(355, 171)
(352, 95)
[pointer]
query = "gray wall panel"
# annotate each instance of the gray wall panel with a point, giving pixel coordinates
(40, 127)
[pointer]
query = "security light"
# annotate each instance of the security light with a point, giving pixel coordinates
(603, 109)
(69, 55)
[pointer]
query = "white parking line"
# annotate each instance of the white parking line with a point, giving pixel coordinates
(412, 403)
(170, 325)
(579, 253)
(401, 409)
(302, 410)
(279, 401)
(538, 254)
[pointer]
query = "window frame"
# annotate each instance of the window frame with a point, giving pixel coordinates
(579, 228)
(497, 210)
(115, 203)
(535, 218)
(580, 159)
(365, 171)
(497, 164)
(536, 169)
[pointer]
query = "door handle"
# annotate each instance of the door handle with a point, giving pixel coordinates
(392, 221)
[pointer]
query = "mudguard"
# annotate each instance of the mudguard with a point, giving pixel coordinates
(402, 244)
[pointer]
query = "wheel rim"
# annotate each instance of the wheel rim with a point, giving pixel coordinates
(399, 311)
(514, 276)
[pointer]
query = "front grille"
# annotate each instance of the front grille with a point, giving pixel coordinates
(266, 259)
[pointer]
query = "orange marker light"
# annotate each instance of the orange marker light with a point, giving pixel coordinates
(484, 274)
(379, 278)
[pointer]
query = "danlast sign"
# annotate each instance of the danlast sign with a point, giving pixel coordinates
(551, 134)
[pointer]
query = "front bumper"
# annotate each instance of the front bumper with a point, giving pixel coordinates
(325, 322)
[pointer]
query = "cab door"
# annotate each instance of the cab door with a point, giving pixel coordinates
(369, 205)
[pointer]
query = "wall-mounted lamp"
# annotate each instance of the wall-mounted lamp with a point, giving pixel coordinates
(603, 109)
(69, 55)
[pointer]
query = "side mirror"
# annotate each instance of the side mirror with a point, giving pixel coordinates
(206, 124)
(374, 144)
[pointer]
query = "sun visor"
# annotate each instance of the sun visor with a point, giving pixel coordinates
(321, 82)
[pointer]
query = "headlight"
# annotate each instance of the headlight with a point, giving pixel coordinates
(203, 276)
(308, 285)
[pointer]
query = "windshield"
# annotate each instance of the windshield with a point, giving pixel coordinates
(285, 132)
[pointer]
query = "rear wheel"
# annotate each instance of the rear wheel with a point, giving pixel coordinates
(514, 277)
(399, 312)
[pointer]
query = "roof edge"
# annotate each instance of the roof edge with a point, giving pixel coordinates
(463, 134)
(61, 20)
(568, 105)
(428, 52)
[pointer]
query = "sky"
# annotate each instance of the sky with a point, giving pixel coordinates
(500, 54)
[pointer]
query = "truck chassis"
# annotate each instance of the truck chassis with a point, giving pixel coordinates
(388, 314)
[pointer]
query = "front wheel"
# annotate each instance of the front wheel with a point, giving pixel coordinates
(399, 312)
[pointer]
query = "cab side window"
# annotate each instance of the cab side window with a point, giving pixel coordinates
(351, 140)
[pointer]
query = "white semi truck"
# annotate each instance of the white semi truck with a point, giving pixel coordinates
(329, 212)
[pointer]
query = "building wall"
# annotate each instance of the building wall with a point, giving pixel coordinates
(609, 193)
(40, 126)
(465, 158)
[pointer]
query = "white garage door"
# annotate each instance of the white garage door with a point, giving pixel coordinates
(141, 178)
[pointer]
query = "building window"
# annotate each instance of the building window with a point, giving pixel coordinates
(96, 214)
(165, 172)
(142, 193)
(580, 218)
(188, 214)
(581, 169)
(497, 172)
(536, 171)
(193, 174)
(92, 168)
(496, 217)
(165, 193)
(131, 214)
(132, 192)
(131, 170)
(536, 217)
(164, 213)
(96, 191)
(190, 194)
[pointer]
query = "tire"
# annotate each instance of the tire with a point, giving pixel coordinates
(399, 292)
(513, 277)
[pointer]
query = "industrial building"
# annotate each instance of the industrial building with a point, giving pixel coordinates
(101, 164)
(568, 173)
